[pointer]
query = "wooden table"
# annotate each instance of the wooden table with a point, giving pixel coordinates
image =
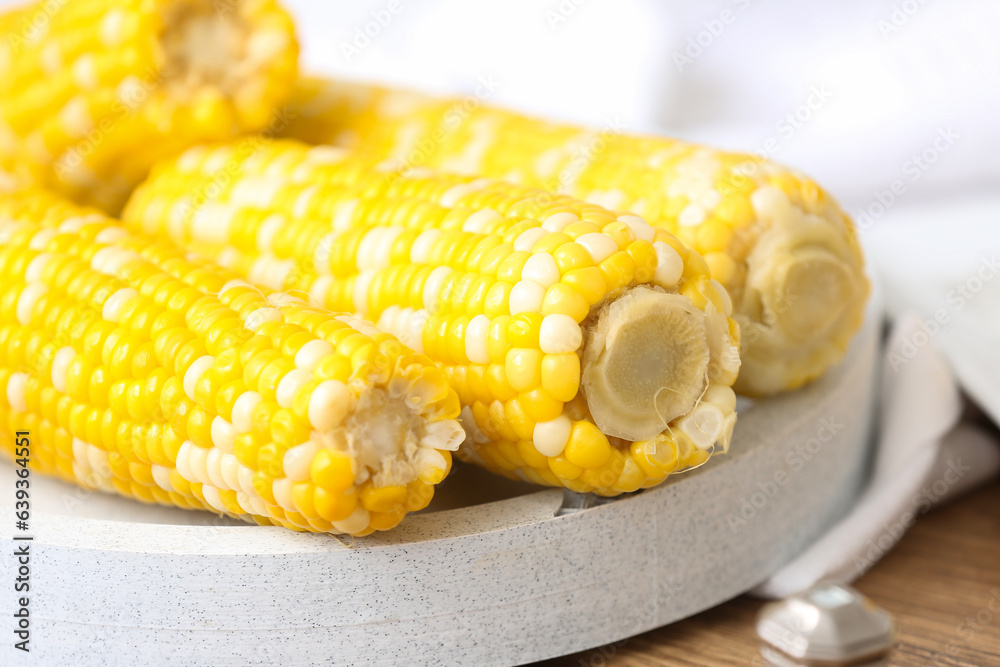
(942, 575)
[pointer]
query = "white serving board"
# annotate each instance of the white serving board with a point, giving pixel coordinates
(493, 573)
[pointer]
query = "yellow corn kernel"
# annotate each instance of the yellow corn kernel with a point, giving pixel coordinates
(587, 446)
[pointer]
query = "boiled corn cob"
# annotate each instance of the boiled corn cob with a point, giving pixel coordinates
(93, 92)
(589, 351)
(159, 376)
(782, 247)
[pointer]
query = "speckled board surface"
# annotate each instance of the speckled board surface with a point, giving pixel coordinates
(505, 581)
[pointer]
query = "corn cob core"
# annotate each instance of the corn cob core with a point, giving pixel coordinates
(588, 350)
(141, 370)
(782, 247)
(93, 93)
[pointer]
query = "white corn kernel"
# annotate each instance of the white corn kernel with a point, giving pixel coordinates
(111, 235)
(328, 405)
(40, 239)
(477, 339)
(213, 468)
(599, 246)
(236, 282)
(112, 27)
(243, 411)
(319, 290)
(182, 464)
(542, 269)
(213, 499)
(445, 434)
(454, 194)
(229, 467)
(266, 232)
(550, 437)
(642, 229)
(703, 425)
(246, 481)
(343, 216)
(33, 273)
(26, 301)
(80, 451)
(290, 385)
(194, 372)
(362, 286)
(527, 239)
(771, 204)
(669, 266)
(727, 301)
(282, 490)
(722, 396)
(60, 365)
(560, 221)
(223, 434)
(691, 215)
(298, 459)
(478, 221)
(355, 523)
(261, 315)
(110, 259)
(433, 286)
(559, 333)
(279, 299)
(526, 296)
(161, 476)
(197, 460)
(429, 462)
(17, 385)
(420, 251)
(313, 352)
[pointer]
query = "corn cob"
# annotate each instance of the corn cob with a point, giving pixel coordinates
(588, 352)
(782, 247)
(93, 92)
(162, 377)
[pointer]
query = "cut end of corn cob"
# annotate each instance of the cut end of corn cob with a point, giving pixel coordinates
(802, 295)
(148, 372)
(645, 362)
(90, 100)
(588, 350)
(226, 49)
(779, 244)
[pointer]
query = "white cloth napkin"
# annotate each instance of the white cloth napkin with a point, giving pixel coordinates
(925, 456)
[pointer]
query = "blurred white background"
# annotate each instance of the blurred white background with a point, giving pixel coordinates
(854, 93)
